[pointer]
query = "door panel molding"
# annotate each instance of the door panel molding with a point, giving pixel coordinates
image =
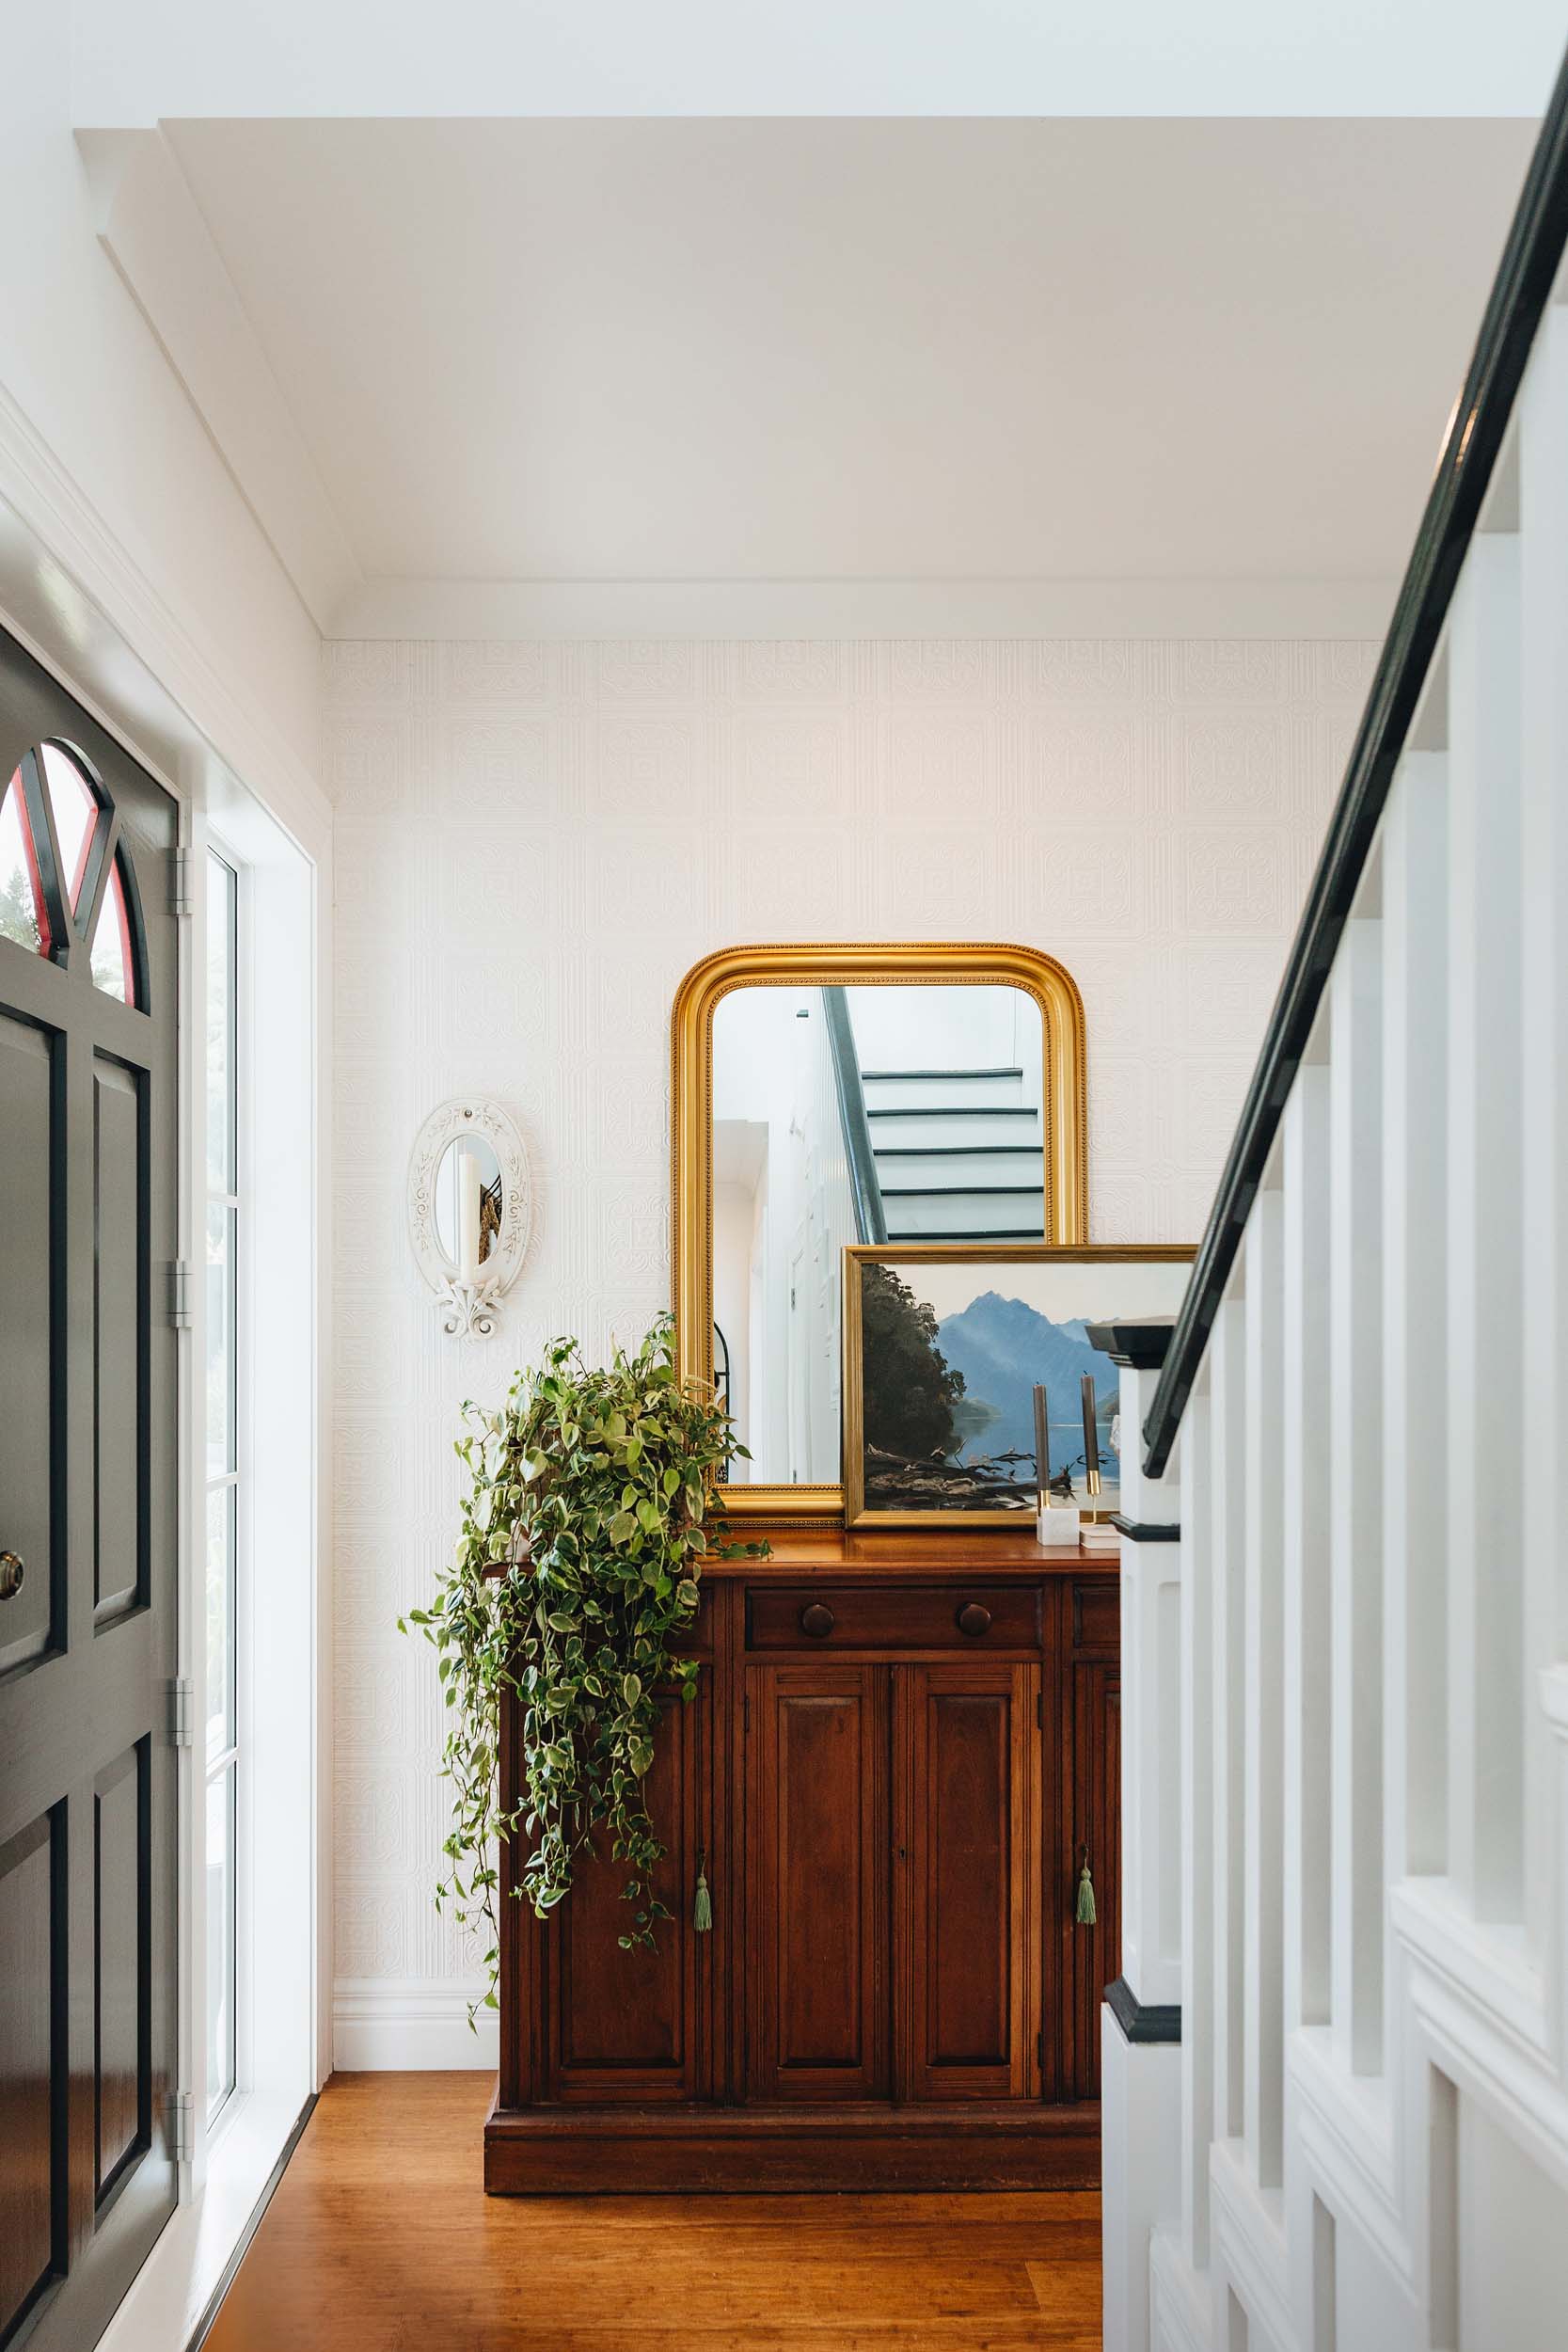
(122, 2082)
(818, 1856)
(628, 2026)
(33, 2082)
(32, 1451)
(969, 1863)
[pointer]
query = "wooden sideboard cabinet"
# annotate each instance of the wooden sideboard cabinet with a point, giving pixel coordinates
(900, 1751)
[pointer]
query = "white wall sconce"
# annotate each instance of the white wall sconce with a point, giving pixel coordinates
(469, 1208)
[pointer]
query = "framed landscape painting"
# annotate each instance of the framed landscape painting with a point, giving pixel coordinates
(943, 1346)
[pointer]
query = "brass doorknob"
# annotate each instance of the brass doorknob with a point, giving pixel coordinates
(974, 1620)
(818, 1621)
(11, 1573)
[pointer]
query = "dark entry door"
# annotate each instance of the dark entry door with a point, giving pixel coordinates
(89, 977)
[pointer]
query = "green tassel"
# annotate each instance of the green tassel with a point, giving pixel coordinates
(702, 1907)
(1086, 1915)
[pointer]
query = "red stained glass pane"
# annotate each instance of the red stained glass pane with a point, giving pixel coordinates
(76, 812)
(113, 969)
(23, 913)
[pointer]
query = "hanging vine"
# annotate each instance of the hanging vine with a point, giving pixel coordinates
(574, 1582)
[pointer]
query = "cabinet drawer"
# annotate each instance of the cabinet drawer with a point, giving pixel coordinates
(957, 1616)
(1096, 1616)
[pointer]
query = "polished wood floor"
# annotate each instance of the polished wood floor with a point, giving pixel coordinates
(380, 2239)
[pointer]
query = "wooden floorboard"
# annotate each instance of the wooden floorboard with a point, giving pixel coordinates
(380, 2239)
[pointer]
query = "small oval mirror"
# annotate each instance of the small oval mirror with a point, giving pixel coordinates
(469, 1204)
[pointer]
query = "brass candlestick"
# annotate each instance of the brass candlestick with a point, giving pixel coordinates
(1091, 1435)
(1042, 1450)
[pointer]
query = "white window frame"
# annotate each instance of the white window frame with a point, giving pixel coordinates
(279, 2053)
(238, 1480)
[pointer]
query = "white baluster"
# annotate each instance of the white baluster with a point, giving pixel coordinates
(1483, 1260)
(1356, 1489)
(1306, 1390)
(1226, 1556)
(1197, 1823)
(1415, 1311)
(1264, 2072)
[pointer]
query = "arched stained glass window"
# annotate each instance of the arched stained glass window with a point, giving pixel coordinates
(74, 808)
(112, 960)
(66, 887)
(23, 908)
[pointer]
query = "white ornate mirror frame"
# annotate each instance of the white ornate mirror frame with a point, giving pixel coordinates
(467, 1303)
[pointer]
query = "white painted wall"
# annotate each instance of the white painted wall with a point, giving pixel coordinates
(92, 415)
(536, 840)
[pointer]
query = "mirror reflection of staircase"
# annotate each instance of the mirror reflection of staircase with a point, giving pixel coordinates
(959, 1153)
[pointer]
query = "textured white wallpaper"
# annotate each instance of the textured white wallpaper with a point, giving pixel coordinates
(536, 840)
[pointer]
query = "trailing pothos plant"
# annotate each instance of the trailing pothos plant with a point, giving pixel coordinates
(575, 1577)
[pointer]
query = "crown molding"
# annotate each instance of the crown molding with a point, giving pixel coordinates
(83, 603)
(152, 227)
(789, 608)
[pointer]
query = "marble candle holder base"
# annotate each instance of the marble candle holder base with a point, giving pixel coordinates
(1060, 1524)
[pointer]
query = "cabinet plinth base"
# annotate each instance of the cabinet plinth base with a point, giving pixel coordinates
(615, 2152)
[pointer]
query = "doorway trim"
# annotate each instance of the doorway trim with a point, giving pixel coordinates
(74, 596)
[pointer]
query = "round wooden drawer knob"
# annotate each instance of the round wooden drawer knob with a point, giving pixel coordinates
(974, 1620)
(818, 1621)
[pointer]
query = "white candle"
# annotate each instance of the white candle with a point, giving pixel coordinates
(468, 1217)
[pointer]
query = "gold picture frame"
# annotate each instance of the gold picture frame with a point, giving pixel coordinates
(954, 1255)
(837, 964)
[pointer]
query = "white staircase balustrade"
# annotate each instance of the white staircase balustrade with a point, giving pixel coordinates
(959, 1152)
(1335, 2066)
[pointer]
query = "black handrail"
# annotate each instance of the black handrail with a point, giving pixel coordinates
(865, 1185)
(1520, 292)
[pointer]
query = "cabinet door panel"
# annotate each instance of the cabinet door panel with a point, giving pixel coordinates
(817, 1865)
(1097, 1825)
(629, 2025)
(968, 1847)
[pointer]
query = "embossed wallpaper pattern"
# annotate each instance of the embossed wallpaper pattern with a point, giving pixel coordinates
(535, 840)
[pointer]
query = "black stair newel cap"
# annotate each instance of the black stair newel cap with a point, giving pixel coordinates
(1147, 1531)
(1142, 2021)
(1140, 1344)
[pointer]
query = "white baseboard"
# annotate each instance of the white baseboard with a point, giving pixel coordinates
(410, 2025)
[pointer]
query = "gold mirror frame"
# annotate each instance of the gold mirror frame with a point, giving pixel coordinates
(835, 966)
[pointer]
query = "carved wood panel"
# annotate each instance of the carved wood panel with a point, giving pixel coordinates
(818, 1854)
(969, 1872)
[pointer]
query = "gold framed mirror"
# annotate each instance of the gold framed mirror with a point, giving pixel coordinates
(809, 1109)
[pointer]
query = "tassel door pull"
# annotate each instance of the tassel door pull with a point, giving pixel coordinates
(701, 1903)
(1085, 1912)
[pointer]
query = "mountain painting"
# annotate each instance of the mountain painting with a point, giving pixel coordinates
(951, 1343)
(1002, 1346)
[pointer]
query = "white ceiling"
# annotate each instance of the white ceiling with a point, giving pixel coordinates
(161, 58)
(840, 351)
